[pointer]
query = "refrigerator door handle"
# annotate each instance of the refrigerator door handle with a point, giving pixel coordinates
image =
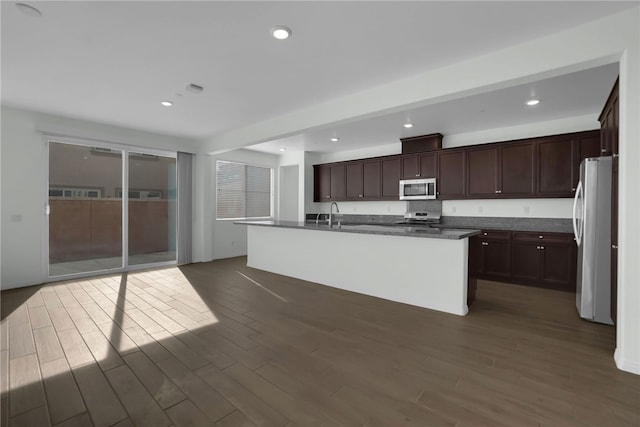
(577, 233)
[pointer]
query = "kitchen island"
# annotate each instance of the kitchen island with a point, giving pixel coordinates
(421, 266)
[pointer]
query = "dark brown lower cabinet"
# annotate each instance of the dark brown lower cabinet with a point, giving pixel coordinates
(495, 257)
(538, 259)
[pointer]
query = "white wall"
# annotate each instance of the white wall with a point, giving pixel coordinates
(23, 183)
(525, 208)
(226, 239)
(288, 200)
(298, 159)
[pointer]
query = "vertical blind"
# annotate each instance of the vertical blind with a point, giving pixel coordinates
(242, 191)
(185, 207)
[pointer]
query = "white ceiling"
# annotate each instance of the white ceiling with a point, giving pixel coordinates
(113, 62)
(569, 95)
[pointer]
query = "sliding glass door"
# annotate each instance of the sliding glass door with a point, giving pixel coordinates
(152, 208)
(109, 208)
(85, 211)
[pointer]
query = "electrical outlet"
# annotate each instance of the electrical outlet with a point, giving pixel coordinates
(527, 209)
(480, 209)
(453, 209)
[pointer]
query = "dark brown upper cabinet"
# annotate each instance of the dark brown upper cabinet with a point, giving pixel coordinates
(517, 169)
(482, 172)
(450, 182)
(535, 167)
(555, 167)
(609, 124)
(585, 144)
(329, 182)
(391, 168)
(419, 166)
(322, 183)
(338, 181)
(559, 161)
(363, 180)
(355, 181)
(372, 182)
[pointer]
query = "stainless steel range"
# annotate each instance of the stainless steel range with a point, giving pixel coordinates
(423, 213)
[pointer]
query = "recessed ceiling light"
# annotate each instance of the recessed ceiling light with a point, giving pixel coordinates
(533, 102)
(27, 9)
(281, 32)
(283, 149)
(334, 139)
(408, 125)
(166, 103)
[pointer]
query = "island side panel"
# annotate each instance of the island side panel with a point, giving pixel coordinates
(429, 273)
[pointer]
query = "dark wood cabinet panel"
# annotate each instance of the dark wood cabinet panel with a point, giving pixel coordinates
(526, 261)
(371, 177)
(584, 146)
(517, 172)
(609, 146)
(451, 174)
(490, 253)
(535, 259)
(355, 180)
(557, 262)
(410, 167)
(536, 167)
(482, 172)
(428, 165)
(322, 183)
(419, 166)
(391, 173)
(555, 167)
(545, 259)
(338, 181)
(496, 257)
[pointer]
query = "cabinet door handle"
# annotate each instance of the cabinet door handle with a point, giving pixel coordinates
(360, 195)
(614, 246)
(539, 237)
(542, 247)
(484, 234)
(573, 189)
(328, 197)
(485, 244)
(417, 174)
(615, 155)
(603, 150)
(499, 191)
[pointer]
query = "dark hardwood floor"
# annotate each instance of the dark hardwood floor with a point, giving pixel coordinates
(222, 344)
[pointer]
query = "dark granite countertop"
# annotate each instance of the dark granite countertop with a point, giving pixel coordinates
(387, 229)
(539, 225)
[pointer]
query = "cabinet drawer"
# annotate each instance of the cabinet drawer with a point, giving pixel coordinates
(495, 234)
(542, 237)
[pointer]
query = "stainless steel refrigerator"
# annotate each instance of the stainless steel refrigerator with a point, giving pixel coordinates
(592, 229)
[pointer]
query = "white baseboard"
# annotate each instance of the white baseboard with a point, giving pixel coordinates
(626, 365)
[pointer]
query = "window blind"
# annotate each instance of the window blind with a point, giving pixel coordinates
(242, 191)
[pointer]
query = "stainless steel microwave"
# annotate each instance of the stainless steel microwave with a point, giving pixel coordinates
(418, 189)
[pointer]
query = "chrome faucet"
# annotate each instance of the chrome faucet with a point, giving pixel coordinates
(331, 212)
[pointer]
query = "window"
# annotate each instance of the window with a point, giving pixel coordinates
(242, 191)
